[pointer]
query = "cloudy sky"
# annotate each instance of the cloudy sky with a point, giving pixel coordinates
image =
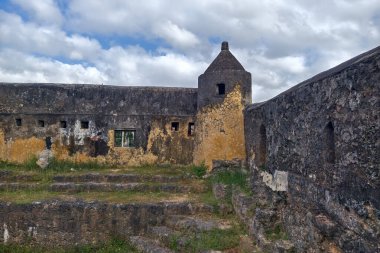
(170, 43)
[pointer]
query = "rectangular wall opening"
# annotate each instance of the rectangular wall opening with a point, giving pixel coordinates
(84, 124)
(125, 138)
(221, 88)
(190, 129)
(18, 122)
(175, 126)
(63, 124)
(41, 123)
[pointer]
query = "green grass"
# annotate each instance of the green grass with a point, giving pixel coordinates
(29, 196)
(215, 239)
(69, 167)
(54, 165)
(232, 178)
(199, 170)
(114, 245)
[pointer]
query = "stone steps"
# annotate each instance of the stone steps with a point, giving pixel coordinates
(100, 187)
(118, 178)
(167, 236)
(162, 233)
(111, 187)
(147, 245)
(195, 224)
(10, 176)
(20, 186)
(180, 230)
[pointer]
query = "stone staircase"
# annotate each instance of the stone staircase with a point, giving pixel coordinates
(98, 182)
(176, 230)
(152, 227)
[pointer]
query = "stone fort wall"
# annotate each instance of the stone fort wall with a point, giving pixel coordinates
(315, 155)
(80, 121)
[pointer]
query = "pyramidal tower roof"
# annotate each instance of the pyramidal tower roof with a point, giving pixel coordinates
(224, 61)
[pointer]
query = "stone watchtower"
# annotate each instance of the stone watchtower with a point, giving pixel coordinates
(224, 89)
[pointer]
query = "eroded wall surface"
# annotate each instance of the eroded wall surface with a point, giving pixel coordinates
(147, 110)
(61, 223)
(220, 130)
(323, 134)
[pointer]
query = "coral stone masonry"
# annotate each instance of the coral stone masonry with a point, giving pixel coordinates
(312, 155)
(129, 125)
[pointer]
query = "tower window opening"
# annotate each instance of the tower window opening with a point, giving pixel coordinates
(175, 126)
(221, 88)
(190, 129)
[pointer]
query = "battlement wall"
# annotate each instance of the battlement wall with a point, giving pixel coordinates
(322, 137)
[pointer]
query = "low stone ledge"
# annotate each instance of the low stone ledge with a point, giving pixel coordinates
(117, 178)
(63, 223)
(110, 187)
(227, 165)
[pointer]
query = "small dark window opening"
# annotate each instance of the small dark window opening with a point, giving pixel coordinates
(84, 124)
(41, 123)
(262, 152)
(18, 122)
(221, 88)
(175, 126)
(329, 147)
(48, 142)
(63, 124)
(190, 129)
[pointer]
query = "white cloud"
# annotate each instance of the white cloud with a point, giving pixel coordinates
(280, 42)
(43, 11)
(20, 67)
(45, 40)
(176, 36)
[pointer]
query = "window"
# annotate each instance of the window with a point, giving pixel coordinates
(190, 129)
(125, 138)
(84, 124)
(41, 123)
(175, 126)
(18, 122)
(221, 88)
(63, 124)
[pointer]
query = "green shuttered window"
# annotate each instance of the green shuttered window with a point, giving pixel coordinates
(125, 138)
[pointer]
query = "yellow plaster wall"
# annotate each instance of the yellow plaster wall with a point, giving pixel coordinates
(172, 146)
(3, 148)
(128, 156)
(20, 150)
(220, 130)
(115, 156)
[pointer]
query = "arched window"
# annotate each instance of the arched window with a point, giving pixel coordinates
(329, 147)
(262, 152)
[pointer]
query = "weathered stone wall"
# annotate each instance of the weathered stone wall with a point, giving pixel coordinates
(148, 110)
(224, 89)
(58, 223)
(85, 99)
(322, 136)
(220, 130)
